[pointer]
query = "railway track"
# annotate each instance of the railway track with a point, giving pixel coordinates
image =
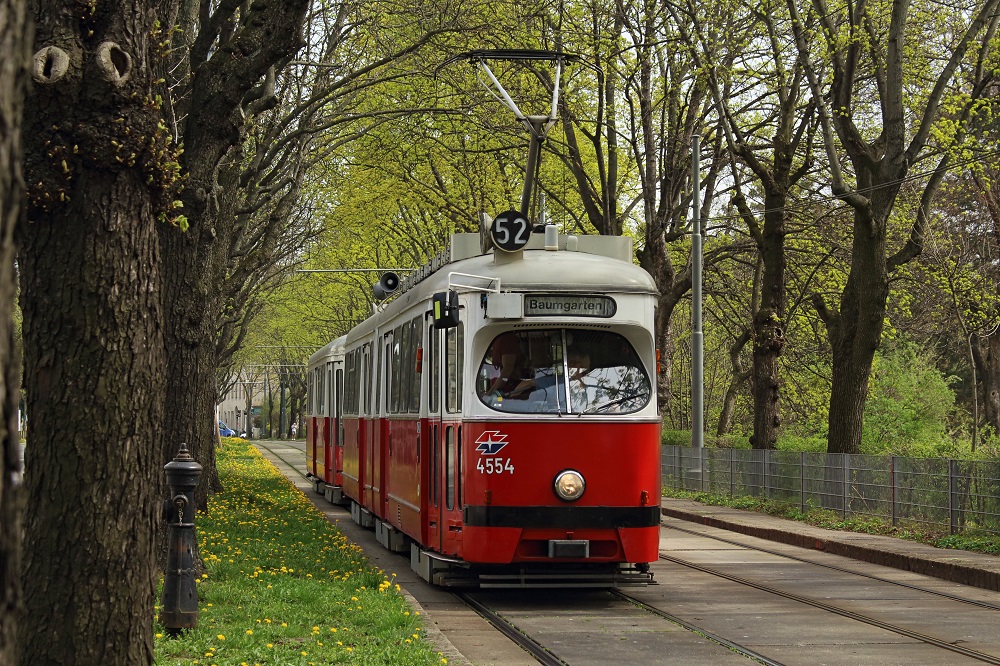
(949, 645)
(938, 593)
(524, 641)
(545, 632)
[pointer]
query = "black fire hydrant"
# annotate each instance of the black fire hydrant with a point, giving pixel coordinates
(179, 604)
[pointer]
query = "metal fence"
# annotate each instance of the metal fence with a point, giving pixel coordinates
(925, 493)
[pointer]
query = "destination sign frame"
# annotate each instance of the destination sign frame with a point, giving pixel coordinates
(569, 305)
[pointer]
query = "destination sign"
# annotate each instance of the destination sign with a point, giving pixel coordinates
(569, 305)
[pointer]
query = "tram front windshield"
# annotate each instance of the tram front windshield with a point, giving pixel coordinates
(562, 371)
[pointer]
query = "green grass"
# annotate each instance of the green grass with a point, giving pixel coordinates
(831, 520)
(284, 586)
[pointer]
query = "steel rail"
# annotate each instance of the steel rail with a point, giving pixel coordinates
(917, 588)
(525, 642)
(715, 638)
(858, 617)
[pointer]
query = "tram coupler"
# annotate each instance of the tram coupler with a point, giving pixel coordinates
(179, 602)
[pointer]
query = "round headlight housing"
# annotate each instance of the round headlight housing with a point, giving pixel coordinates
(569, 485)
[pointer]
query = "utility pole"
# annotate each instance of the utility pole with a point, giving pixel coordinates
(697, 335)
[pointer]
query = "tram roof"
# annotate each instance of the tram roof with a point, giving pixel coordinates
(327, 350)
(531, 270)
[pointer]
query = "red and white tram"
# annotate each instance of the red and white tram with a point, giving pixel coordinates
(497, 416)
(324, 426)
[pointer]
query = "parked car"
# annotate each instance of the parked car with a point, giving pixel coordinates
(225, 430)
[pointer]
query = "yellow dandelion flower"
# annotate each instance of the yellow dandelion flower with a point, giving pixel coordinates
(270, 645)
(249, 632)
(221, 637)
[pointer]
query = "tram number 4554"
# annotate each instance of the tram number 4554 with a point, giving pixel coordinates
(495, 466)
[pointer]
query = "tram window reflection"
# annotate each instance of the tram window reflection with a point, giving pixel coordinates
(530, 372)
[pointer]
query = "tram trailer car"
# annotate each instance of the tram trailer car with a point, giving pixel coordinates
(324, 426)
(499, 417)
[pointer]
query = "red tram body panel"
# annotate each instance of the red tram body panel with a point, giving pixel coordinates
(497, 417)
(324, 441)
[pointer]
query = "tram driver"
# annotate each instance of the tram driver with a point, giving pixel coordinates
(512, 366)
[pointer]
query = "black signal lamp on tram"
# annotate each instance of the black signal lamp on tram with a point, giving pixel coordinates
(445, 309)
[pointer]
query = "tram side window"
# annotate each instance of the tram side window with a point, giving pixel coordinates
(432, 363)
(338, 407)
(385, 378)
(454, 357)
(311, 394)
(415, 344)
(405, 367)
(320, 392)
(366, 370)
(330, 396)
(351, 388)
(394, 375)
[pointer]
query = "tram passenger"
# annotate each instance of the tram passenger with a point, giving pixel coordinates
(513, 367)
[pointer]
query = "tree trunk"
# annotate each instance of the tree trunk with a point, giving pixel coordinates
(856, 332)
(190, 330)
(14, 57)
(217, 84)
(769, 322)
(987, 358)
(740, 376)
(94, 361)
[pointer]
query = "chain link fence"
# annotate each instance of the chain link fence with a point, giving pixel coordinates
(925, 493)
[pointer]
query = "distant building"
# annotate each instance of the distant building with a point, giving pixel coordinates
(232, 409)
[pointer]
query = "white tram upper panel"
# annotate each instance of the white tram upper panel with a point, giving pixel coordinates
(598, 265)
(327, 352)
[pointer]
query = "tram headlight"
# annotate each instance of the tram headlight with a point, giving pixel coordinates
(569, 485)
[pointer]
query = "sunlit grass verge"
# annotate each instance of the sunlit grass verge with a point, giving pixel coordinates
(831, 520)
(284, 586)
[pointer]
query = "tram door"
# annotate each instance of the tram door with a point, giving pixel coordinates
(373, 459)
(445, 505)
(330, 395)
(432, 481)
(338, 425)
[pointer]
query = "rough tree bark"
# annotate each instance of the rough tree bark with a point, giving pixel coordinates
(90, 290)
(880, 165)
(986, 352)
(227, 61)
(15, 41)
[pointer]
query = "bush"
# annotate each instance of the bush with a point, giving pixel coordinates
(909, 405)
(675, 437)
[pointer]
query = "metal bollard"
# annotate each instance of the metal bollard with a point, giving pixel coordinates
(179, 603)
